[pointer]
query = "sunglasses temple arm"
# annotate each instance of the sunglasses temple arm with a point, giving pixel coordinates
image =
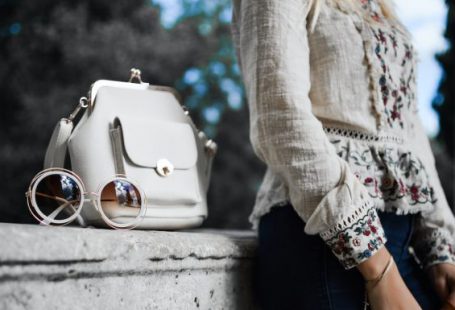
(81, 220)
(58, 210)
(52, 197)
(55, 213)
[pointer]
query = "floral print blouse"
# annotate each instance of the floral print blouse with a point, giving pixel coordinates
(331, 90)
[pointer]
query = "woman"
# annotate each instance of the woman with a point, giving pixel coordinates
(351, 180)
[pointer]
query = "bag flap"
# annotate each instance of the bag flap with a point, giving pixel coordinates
(146, 141)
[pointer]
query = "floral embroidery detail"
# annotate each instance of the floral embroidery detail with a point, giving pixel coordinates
(388, 173)
(396, 63)
(357, 236)
(434, 247)
(390, 96)
(394, 41)
(373, 9)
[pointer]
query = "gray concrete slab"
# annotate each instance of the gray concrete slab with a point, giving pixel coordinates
(88, 268)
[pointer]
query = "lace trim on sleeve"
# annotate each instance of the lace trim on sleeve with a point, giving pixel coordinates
(357, 236)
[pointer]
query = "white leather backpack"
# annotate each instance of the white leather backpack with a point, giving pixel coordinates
(144, 132)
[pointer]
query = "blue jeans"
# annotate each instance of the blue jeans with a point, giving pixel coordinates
(295, 270)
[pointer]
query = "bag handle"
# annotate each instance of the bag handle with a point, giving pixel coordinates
(57, 147)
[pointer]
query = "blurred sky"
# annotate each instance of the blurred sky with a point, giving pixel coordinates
(426, 19)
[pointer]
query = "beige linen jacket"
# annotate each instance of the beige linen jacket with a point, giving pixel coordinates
(334, 115)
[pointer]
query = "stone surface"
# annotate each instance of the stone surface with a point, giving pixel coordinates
(87, 268)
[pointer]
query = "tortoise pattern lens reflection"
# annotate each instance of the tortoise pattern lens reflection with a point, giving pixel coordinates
(121, 201)
(57, 196)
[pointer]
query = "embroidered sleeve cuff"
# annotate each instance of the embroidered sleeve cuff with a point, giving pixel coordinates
(357, 236)
(436, 247)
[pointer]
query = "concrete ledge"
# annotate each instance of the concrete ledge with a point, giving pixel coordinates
(85, 268)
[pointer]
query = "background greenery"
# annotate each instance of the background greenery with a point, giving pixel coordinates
(51, 51)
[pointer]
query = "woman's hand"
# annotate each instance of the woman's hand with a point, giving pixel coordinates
(390, 292)
(443, 278)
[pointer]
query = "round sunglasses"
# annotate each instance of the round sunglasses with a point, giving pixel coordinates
(56, 197)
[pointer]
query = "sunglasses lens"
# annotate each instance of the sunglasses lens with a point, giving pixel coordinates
(58, 197)
(121, 202)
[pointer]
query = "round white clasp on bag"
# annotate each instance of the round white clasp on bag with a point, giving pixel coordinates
(164, 167)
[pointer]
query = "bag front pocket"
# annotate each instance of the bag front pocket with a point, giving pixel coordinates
(161, 156)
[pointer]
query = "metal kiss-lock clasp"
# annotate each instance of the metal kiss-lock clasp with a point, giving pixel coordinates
(164, 167)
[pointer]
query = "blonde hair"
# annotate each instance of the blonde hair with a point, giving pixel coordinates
(387, 9)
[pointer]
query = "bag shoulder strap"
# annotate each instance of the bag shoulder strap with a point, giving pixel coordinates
(57, 147)
(56, 153)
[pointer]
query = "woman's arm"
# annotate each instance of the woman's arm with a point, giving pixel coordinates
(434, 232)
(272, 47)
(390, 292)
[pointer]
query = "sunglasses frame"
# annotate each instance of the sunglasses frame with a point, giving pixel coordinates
(93, 197)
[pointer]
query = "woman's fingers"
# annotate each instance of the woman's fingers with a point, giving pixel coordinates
(440, 285)
(447, 306)
(451, 290)
(440, 280)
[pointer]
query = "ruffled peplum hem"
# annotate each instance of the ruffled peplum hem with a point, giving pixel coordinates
(395, 177)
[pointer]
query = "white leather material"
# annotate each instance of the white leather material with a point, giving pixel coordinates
(154, 126)
(174, 141)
